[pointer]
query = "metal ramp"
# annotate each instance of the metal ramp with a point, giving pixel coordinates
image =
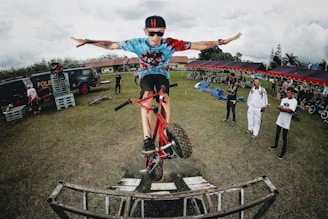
(190, 197)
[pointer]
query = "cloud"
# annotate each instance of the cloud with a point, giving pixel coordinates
(37, 29)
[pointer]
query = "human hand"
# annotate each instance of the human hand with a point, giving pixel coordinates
(81, 42)
(237, 36)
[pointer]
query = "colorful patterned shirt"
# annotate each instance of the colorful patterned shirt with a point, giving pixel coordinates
(154, 60)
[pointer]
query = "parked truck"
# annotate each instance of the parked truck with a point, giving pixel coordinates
(14, 92)
(82, 78)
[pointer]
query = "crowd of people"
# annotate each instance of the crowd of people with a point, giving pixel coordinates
(291, 94)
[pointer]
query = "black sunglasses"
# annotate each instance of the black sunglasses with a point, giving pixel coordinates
(152, 33)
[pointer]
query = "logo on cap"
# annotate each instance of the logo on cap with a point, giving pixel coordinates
(153, 22)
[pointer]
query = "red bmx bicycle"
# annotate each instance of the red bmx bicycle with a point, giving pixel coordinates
(171, 144)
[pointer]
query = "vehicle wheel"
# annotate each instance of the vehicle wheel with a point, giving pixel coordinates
(84, 89)
(156, 172)
(182, 144)
(311, 109)
(46, 97)
(324, 115)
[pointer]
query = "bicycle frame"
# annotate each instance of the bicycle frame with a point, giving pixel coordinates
(160, 123)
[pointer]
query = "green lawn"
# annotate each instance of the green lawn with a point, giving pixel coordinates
(92, 146)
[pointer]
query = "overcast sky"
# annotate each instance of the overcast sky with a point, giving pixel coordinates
(31, 30)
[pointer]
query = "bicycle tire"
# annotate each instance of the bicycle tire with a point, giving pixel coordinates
(324, 115)
(156, 172)
(182, 146)
(311, 109)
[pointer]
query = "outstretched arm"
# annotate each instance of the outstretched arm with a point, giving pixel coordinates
(101, 43)
(201, 45)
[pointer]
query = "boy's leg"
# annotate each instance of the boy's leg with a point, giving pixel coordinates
(228, 109)
(233, 107)
(166, 112)
(284, 143)
(147, 87)
(277, 136)
(146, 115)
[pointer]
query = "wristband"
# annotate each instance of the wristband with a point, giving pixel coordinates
(89, 41)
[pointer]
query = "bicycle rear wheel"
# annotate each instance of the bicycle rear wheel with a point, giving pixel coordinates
(182, 146)
(156, 172)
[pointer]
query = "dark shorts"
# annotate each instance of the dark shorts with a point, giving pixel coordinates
(154, 82)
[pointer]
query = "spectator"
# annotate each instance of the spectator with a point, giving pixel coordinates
(287, 108)
(257, 101)
(231, 98)
(136, 78)
(118, 80)
(33, 98)
(273, 86)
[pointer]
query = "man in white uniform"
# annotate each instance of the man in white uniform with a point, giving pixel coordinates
(287, 108)
(257, 101)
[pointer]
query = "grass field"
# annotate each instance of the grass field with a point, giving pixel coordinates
(92, 146)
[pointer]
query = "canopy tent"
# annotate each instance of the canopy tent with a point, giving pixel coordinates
(299, 74)
(227, 65)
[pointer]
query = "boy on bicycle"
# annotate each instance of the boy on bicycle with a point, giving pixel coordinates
(154, 53)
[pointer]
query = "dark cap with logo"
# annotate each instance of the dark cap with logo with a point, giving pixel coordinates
(154, 21)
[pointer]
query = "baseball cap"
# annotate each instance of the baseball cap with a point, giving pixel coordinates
(154, 21)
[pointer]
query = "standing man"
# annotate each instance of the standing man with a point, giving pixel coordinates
(257, 101)
(273, 86)
(231, 98)
(136, 78)
(154, 53)
(287, 108)
(118, 79)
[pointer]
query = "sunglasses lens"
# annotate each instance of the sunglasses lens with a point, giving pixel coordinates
(152, 33)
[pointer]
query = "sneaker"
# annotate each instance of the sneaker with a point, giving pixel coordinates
(249, 132)
(233, 123)
(253, 136)
(281, 157)
(224, 120)
(148, 146)
(273, 147)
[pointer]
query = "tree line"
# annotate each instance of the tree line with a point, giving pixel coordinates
(215, 54)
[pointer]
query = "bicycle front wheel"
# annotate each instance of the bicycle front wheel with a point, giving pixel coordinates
(182, 146)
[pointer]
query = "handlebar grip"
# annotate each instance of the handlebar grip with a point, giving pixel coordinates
(174, 85)
(122, 105)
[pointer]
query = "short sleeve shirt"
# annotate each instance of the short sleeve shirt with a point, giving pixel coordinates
(285, 118)
(154, 60)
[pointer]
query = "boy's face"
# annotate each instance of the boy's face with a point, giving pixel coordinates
(289, 94)
(155, 35)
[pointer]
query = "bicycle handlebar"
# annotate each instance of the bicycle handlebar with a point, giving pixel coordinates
(123, 105)
(174, 85)
(129, 101)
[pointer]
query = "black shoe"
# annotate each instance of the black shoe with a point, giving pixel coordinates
(148, 146)
(281, 156)
(273, 148)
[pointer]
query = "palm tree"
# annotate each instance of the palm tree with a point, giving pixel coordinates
(291, 60)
